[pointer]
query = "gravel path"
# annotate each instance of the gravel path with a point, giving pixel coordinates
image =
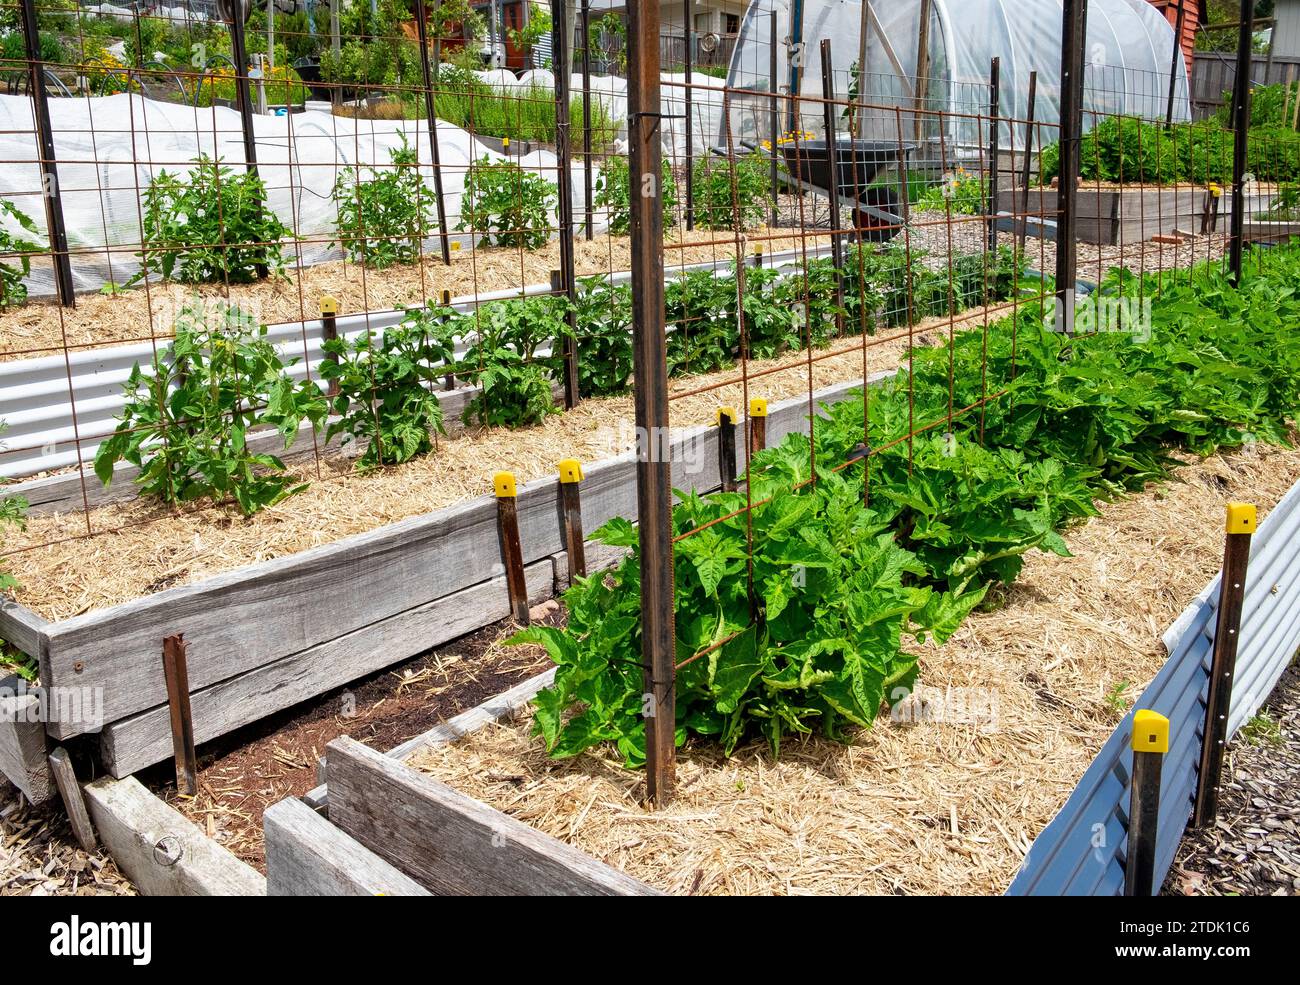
(1254, 847)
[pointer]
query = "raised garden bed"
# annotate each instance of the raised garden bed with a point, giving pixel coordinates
(1114, 215)
(926, 802)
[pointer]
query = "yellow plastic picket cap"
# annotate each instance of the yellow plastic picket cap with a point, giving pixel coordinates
(503, 484)
(757, 407)
(570, 470)
(729, 413)
(455, 245)
(1150, 731)
(1241, 518)
(329, 304)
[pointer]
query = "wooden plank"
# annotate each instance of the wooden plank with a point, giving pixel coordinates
(21, 627)
(452, 844)
(73, 802)
(22, 747)
(161, 852)
(141, 740)
(306, 855)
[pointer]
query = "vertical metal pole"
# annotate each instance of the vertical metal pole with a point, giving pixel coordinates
(49, 168)
(922, 85)
(757, 424)
(336, 96)
(833, 161)
(1023, 222)
(329, 331)
(244, 96)
(178, 700)
(564, 184)
(1072, 41)
(1150, 742)
(569, 345)
(586, 118)
(690, 137)
(775, 122)
(995, 99)
(1173, 65)
(1223, 664)
(1240, 135)
(422, 32)
(864, 24)
(650, 398)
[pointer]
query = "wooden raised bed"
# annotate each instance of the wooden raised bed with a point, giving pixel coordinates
(266, 636)
(1111, 215)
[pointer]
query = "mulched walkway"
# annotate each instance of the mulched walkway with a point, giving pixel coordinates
(1253, 849)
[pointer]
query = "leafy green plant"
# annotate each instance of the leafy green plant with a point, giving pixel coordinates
(384, 386)
(12, 289)
(715, 204)
(964, 193)
(502, 359)
(13, 513)
(1116, 699)
(702, 334)
(508, 205)
(614, 193)
(213, 225)
(604, 318)
(187, 421)
(384, 219)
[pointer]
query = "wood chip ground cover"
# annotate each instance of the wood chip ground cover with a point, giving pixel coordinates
(946, 806)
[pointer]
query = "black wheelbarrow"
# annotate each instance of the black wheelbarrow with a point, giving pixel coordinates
(877, 207)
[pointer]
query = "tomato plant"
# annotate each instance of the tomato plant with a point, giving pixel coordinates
(614, 193)
(187, 421)
(604, 317)
(502, 359)
(12, 289)
(508, 205)
(384, 219)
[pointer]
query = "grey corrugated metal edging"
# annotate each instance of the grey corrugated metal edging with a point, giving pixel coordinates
(42, 433)
(1081, 852)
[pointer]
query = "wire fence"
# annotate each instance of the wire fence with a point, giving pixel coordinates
(289, 276)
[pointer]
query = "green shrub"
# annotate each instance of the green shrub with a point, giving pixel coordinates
(613, 193)
(187, 422)
(213, 226)
(384, 219)
(715, 205)
(384, 384)
(12, 289)
(507, 205)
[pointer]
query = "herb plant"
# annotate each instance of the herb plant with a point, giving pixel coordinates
(384, 219)
(508, 205)
(213, 226)
(187, 421)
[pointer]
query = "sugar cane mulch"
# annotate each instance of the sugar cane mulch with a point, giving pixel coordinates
(944, 796)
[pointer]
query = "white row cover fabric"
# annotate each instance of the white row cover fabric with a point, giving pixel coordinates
(300, 156)
(1128, 55)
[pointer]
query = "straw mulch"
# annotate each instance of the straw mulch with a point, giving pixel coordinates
(946, 806)
(42, 328)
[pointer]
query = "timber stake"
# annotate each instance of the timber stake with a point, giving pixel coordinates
(178, 703)
(1150, 743)
(727, 447)
(512, 554)
(570, 484)
(757, 424)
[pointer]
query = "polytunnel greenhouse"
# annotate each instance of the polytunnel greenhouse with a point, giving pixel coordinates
(1128, 56)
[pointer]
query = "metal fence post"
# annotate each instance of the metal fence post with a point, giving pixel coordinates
(995, 99)
(234, 12)
(50, 191)
(1240, 135)
(650, 398)
(1074, 20)
(586, 119)
(690, 140)
(560, 65)
(1173, 65)
(1232, 592)
(422, 30)
(1150, 742)
(503, 486)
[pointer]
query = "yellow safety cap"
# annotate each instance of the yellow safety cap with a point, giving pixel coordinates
(329, 304)
(570, 470)
(1150, 731)
(505, 141)
(503, 484)
(758, 249)
(455, 245)
(729, 413)
(757, 407)
(1241, 518)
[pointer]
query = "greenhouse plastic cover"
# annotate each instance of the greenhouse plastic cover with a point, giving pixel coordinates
(299, 157)
(1127, 57)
